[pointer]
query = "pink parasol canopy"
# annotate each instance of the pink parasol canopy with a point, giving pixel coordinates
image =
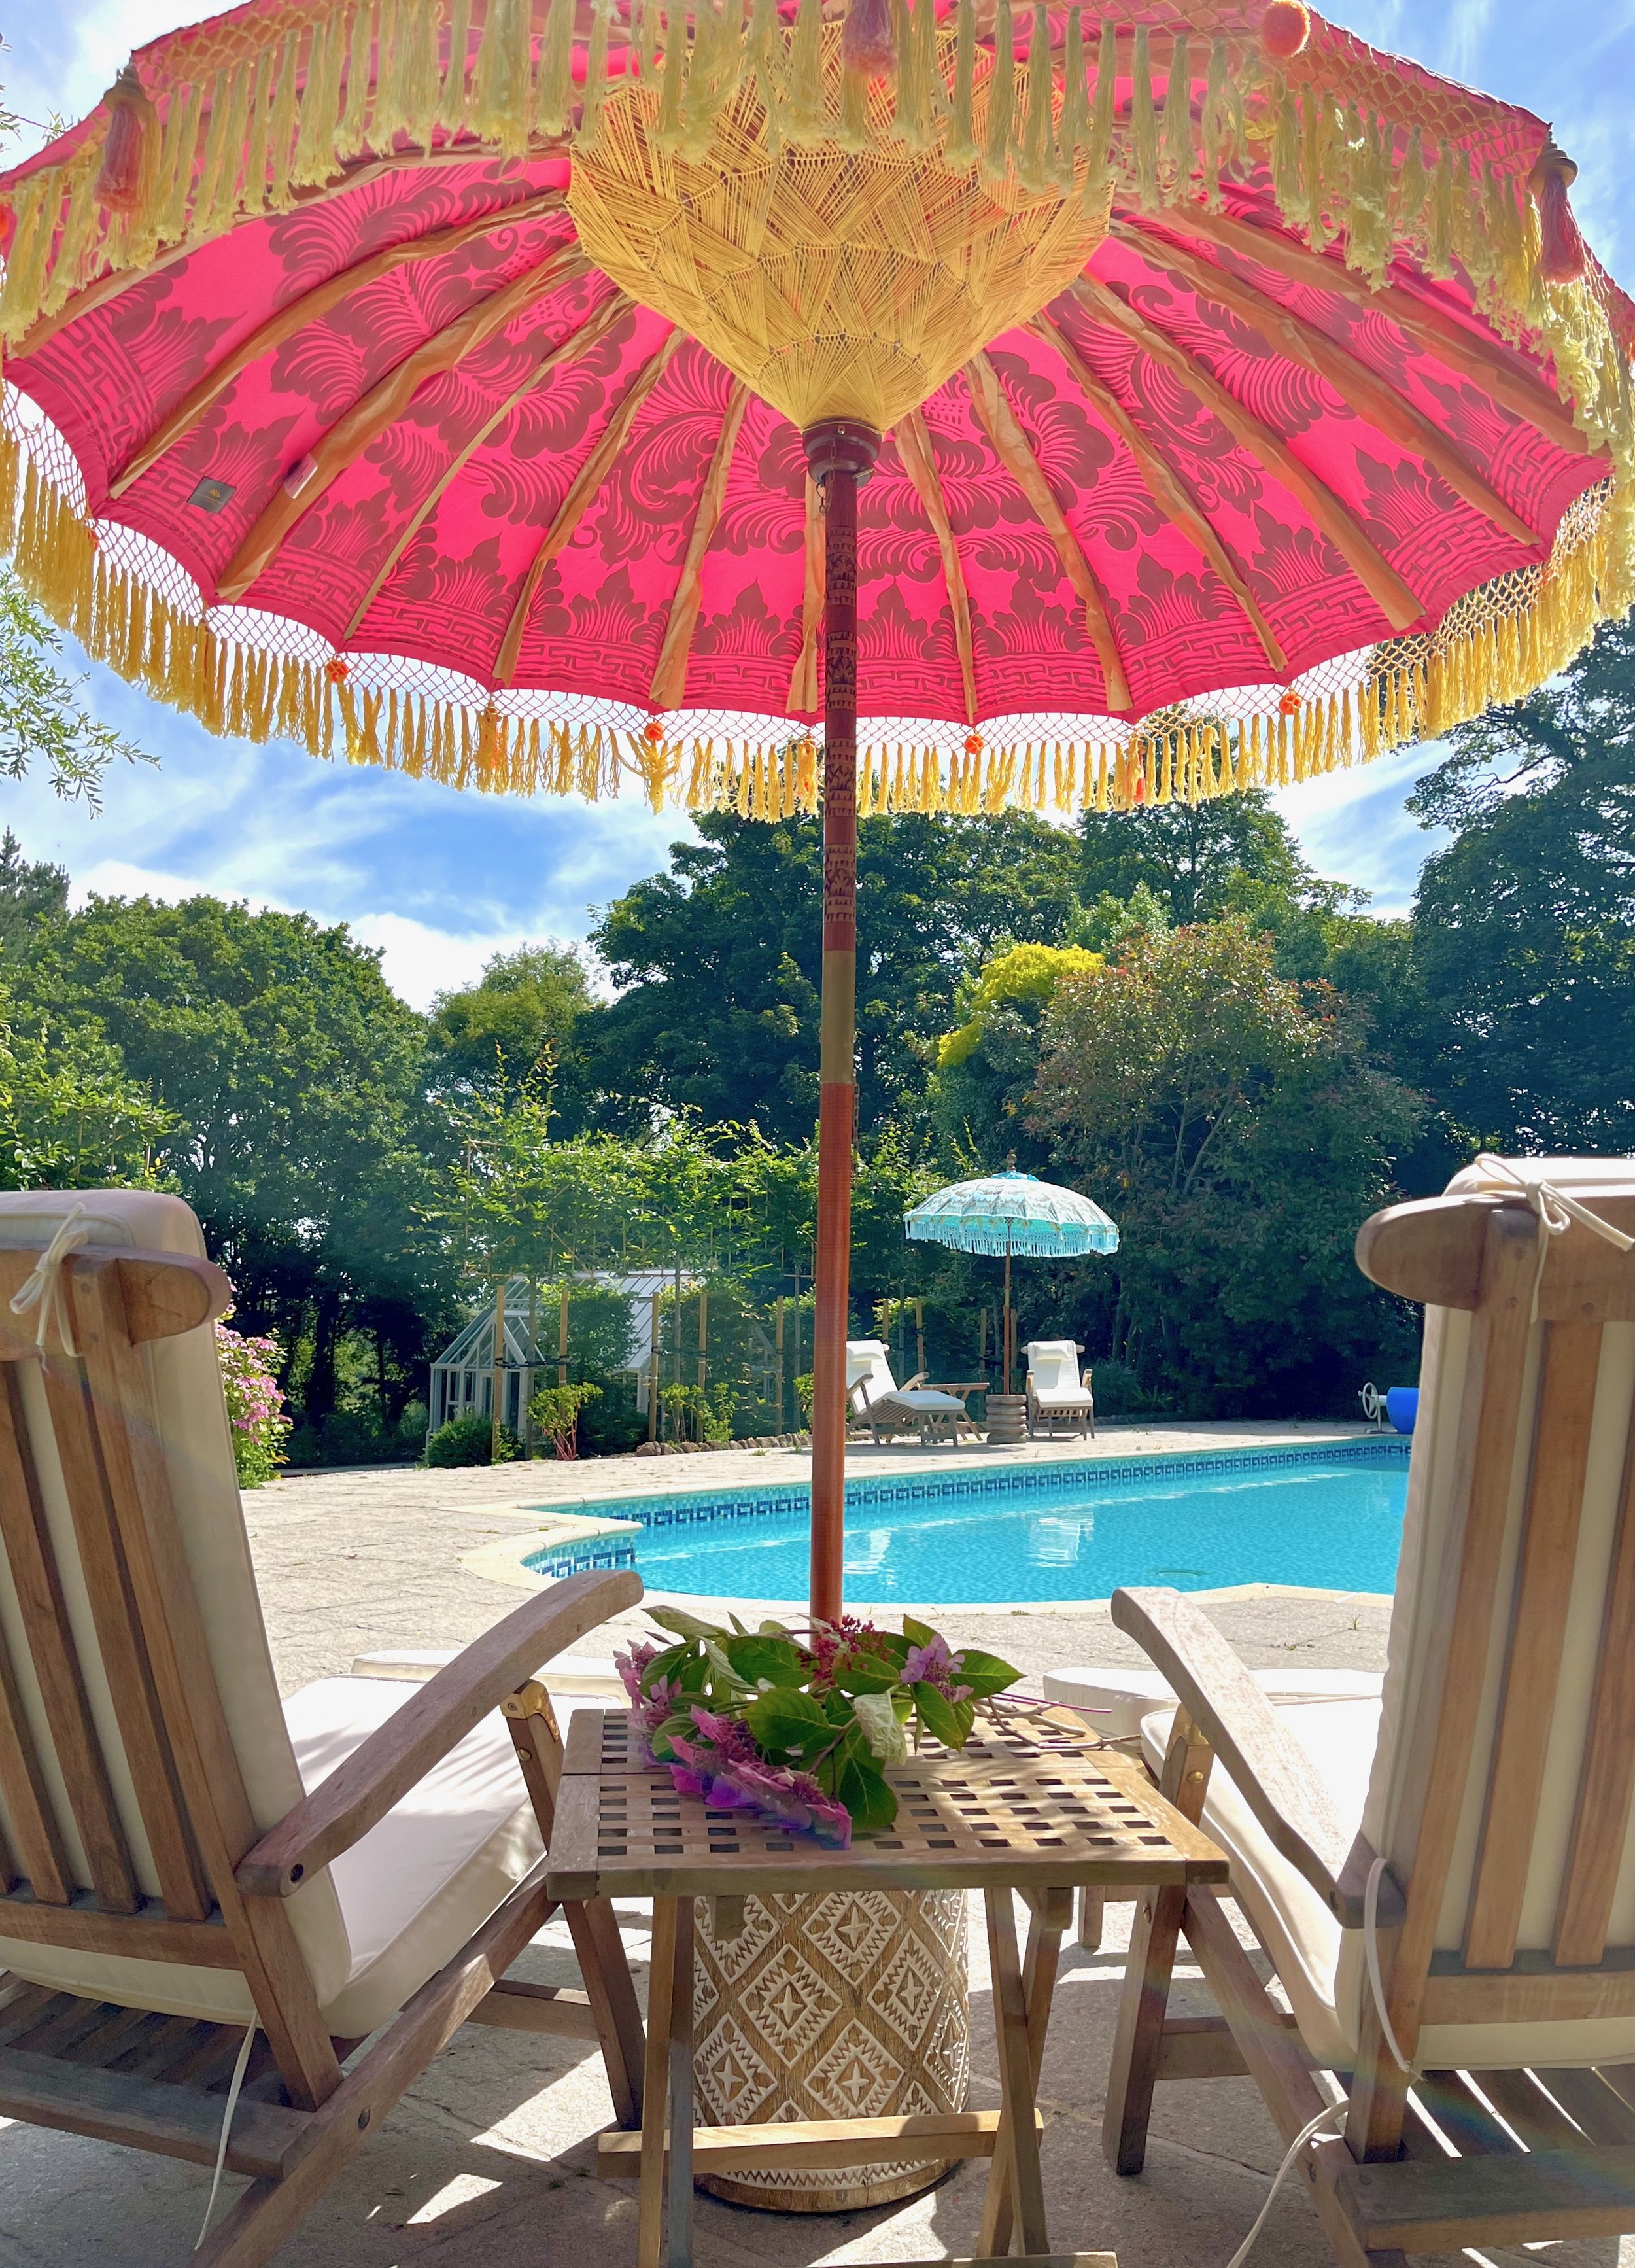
(405, 443)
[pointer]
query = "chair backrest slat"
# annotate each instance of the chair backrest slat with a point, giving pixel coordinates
(1569, 1371)
(40, 1847)
(1441, 1729)
(192, 1719)
(123, 1647)
(1607, 1776)
(26, 1538)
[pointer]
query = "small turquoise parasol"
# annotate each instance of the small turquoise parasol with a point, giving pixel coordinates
(1010, 1212)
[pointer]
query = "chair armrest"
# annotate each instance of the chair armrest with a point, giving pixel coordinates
(1269, 1768)
(919, 1378)
(398, 1754)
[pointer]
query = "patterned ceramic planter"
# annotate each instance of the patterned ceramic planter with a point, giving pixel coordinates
(851, 2004)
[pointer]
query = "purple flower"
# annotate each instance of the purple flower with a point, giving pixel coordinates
(630, 1666)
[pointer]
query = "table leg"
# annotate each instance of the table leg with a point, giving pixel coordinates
(1092, 1909)
(655, 2089)
(678, 2248)
(1038, 1985)
(1014, 2185)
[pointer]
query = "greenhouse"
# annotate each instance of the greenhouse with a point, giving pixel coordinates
(529, 1333)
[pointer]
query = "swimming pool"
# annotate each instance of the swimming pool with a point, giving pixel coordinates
(1328, 1516)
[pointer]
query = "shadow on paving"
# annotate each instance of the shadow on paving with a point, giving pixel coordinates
(487, 2163)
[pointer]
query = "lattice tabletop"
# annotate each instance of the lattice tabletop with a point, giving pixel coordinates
(1020, 1808)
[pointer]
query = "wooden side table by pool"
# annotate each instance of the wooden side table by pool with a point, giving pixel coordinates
(1030, 1810)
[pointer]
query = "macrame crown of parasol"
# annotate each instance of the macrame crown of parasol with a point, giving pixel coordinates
(238, 116)
(842, 203)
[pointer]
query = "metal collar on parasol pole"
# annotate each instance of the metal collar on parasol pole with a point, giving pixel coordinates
(840, 453)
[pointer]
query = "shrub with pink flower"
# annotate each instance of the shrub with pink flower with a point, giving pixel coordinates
(799, 1726)
(255, 1404)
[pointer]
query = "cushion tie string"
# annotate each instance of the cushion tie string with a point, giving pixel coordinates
(1371, 1954)
(42, 1288)
(1555, 1213)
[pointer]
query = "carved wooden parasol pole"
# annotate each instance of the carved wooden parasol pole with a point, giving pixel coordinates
(840, 454)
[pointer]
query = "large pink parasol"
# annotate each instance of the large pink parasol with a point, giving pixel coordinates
(487, 391)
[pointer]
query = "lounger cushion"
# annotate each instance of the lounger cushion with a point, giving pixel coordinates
(1320, 1964)
(414, 1888)
(923, 1398)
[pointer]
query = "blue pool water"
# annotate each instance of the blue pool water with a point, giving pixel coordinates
(1327, 1517)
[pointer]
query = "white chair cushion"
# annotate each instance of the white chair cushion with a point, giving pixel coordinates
(926, 1398)
(1121, 1697)
(428, 1875)
(1322, 1966)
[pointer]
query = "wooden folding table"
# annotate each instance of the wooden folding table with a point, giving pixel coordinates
(1026, 1809)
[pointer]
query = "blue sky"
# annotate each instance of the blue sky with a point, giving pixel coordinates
(441, 881)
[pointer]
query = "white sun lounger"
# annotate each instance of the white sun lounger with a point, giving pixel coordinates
(1057, 1394)
(888, 1409)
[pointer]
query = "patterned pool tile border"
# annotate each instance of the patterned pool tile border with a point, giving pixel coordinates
(1082, 1476)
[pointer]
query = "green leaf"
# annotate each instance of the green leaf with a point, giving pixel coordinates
(663, 1666)
(984, 1673)
(940, 1716)
(672, 1729)
(856, 1673)
(723, 1667)
(864, 1790)
(788, 1725)
(684, 1624)
(778, 1659)
(917, 1633)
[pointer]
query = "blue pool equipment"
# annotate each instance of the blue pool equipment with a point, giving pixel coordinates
(1402, 1406)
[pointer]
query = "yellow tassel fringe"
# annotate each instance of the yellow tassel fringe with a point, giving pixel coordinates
(1494, 647)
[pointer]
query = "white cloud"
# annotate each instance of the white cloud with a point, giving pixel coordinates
(418, 960)
(1353, 826)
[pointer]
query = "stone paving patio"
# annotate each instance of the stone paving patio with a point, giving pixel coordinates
(487, 2162)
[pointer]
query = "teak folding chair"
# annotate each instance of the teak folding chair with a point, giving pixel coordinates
(199, 1882)
(1444, 1880)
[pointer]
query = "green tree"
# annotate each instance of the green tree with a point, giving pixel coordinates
(1231, 1124)
(292, 1081)
(515, 1025)
(719, 961)
(985, 1069)
(70, 1118)
(1235, 854)
(31, 890)
(41, 721)
(1524, 926)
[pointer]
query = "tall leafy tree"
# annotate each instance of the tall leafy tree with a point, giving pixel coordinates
(1235, 854)
(1524, 926)
(293, 1079)
(719, 961)
(514, 1027)
(1230, 1121)
(31, 890)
